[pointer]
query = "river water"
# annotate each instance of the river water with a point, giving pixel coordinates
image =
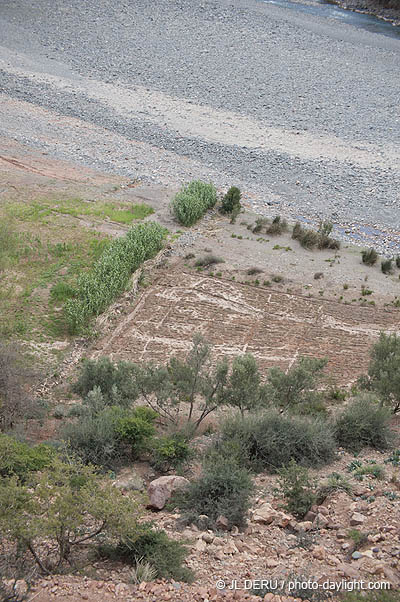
(332, 11)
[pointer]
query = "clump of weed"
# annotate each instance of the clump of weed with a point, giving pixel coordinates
(387, 266)
(254, 271)
(369, 256)
(207, 261)
(278, 226)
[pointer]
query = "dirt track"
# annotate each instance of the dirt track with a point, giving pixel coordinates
(276, 327)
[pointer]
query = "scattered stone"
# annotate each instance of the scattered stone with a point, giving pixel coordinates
(357, 519)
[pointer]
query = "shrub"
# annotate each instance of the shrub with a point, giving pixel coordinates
(325, 240)
(207, 261)
(363, 424)
(19, 459)
(231, 200)
(165, 555)
(223, 489)
(96, 437)
(297, 231)
(295, 485)
(296, 386)
(269, 440)
(277, 227)
(110, 274)
(261, 222)
(398, 261)
(134, 428)
(243, 389)
(191, 203)
(115, 381)
(93, 439)
(369, 256)
(370, 468)
(309, 239)
(387, 266)
(254, 271)
(334, 482)
(170, 451)
(62, 291)
(15, 375)
(66, 505)
(384, 370)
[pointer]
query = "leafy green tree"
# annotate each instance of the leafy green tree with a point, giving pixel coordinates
(244, 389)
(231, 200)
(384, 370)
(66, 505)
(297, 385)
(190, 383)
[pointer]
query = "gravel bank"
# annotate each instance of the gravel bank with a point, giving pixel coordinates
(327, 91)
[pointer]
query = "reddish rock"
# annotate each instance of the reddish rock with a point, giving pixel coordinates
(160, 490)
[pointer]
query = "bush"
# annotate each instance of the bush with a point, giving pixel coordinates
(277, 227)
(191, 203)
(295, 485)
(170, 451)
(135, 427)
(207, 261)
(334, 482)
(363, 424)
(96, 437)
(20, 459)
(231, 200)
(115, 381)
(387, 266)
(325, 240)
(93, 439)
(269, 440)
(110, 274)
(295, 387)
(165, 555)
(223, 489)
(398, 261)
(66, 505)
(384, 370)
(369, 256)
(15, 376)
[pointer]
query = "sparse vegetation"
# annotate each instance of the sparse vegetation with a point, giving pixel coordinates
(334, 482)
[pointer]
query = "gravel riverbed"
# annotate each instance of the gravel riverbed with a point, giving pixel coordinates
(301, 111)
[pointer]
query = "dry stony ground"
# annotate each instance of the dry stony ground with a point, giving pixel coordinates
(277, 322)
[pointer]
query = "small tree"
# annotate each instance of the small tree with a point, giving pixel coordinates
(244, 390)
(66, 505)
(384, 370)
(297, 488)
(296, 386)
(231, 200)
(15, 377)
(192, 382)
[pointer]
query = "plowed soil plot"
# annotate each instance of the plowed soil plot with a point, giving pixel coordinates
(276, 327)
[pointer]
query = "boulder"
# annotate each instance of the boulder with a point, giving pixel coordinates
(160, 490)
(265, 514)
(356, 519)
